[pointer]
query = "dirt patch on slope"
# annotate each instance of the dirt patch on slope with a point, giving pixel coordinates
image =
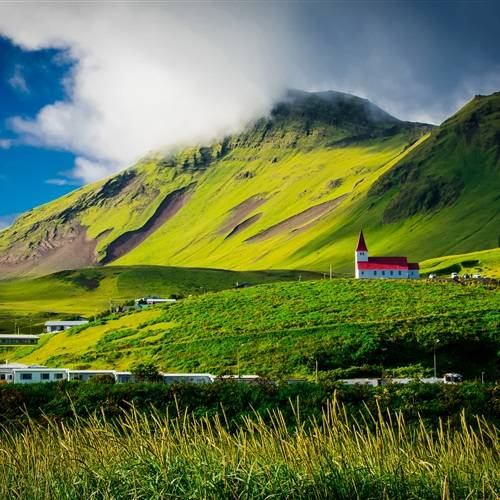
(238, 213)
(172, 203)
(307, 218)
(243, 225)
(55, 252)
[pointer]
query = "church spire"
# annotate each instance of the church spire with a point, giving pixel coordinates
(361, 243)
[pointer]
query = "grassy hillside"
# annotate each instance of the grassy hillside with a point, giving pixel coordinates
(486, 263)
(28, 303)
(283, 328)
(291, 191)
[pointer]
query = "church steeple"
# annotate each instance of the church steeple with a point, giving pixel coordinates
(361, 243)
(361, 252)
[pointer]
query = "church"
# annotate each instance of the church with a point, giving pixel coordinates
(382, 267)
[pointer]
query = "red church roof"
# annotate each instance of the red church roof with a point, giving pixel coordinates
(384, 263)
(390, 261)
(361, 243)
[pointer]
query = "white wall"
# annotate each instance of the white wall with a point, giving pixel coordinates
(381, 274)
(36, 376)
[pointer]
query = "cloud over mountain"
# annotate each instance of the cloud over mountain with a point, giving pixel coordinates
(148, 78)
(154, 75)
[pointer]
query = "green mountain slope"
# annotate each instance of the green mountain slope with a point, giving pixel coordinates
(283, 328)
(291, 191)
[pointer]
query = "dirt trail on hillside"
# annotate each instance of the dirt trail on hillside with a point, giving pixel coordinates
(307, 218)
(172, 203)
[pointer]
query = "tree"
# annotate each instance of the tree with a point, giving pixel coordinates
(146, 372)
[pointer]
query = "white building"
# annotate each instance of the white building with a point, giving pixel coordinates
(151, 301)
(187, 378)
(18, 339)
(86, 375)
(382, 267)
(60, 326)
(24, 374)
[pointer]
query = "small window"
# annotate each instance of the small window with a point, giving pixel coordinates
(362, 273)
(2, 376)
(375, 273)
(58, 376)
(399, 272)
(392, 273)
(45, 376)
(383, 273)
(26, 376)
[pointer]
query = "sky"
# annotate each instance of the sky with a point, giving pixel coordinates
(86, 89)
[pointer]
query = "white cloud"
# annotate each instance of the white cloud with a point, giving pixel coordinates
(152, 76)
(17, 80)
(7, 220)
(5, 143)
(57, 181)
(90, 171)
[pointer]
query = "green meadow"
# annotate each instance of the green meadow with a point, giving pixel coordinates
(349, 327)
(27, 303)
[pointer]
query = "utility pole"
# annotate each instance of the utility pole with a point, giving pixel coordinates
(330, 271)
(435, 364)
(482, 377)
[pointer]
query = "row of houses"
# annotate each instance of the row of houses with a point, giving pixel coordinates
(448, 378)
(17, 373)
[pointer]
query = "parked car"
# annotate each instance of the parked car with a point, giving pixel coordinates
(454, 276)
(465, 276)
(432, 276)
(476, 276)
(452, 378)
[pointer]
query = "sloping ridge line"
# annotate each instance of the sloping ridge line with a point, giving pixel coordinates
(243, 225)
(170, 205)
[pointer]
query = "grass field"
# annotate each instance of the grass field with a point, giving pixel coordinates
(282, 329)
(143, 456)
(27, 303)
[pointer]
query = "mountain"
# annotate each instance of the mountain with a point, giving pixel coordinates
(291, 191)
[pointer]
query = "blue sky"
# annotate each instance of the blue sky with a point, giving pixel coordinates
(28, 81)
(87, 89)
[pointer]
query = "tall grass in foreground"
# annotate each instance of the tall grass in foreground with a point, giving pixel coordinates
(141, 456)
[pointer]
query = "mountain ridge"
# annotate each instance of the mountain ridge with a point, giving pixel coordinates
(311, 150)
